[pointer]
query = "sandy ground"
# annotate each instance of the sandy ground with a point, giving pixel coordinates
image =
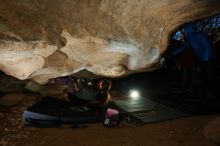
(179, 132)
(183, 132)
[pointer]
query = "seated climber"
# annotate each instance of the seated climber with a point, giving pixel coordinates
(92, 92)
(69, 82)
(103, 91)
(83, 91)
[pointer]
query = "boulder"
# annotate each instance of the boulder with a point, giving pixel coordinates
(44, 39)
(11, 99)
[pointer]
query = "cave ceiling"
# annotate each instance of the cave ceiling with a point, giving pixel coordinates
(44, 39)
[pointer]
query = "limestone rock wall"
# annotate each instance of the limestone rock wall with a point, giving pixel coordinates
(44, 39)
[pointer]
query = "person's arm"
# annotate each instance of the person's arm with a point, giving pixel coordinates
(181, 49)
(208, 49)
(60, 81)
(177, 51)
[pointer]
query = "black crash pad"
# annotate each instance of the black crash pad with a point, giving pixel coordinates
(149, 111)
(50, 111)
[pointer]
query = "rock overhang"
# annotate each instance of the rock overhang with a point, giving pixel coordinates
(46, 39)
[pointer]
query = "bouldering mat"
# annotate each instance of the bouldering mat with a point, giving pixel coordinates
(51, 111)
(149, 111)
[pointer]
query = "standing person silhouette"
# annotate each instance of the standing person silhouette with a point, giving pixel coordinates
(203, 49)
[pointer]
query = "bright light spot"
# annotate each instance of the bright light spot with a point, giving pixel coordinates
(134, 94)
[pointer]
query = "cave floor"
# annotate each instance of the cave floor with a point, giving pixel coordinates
(180, 132)
(187, 131)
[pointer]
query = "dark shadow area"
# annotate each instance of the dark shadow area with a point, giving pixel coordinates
(188, 80)
(163, 86)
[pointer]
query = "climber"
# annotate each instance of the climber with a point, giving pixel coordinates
(72, 86)
(205, 59)
(82, 91)
(92, 93)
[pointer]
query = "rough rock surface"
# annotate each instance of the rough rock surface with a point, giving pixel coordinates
(11, 99)
(212, 130)
(43, 39)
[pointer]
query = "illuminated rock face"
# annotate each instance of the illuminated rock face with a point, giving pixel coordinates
(44, 39)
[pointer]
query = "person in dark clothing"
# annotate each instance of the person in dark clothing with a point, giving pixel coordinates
(188, 72)
(203, 49)
(199, 42)
(72, 87)
(99, 92)
(83, 91)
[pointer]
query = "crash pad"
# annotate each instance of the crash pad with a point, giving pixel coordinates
(51, 111)
(149, 111)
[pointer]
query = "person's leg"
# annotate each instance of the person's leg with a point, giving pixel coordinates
(76, 101)
(184, 79)
(201, 81)
(194, 76)
(211, 81)
(196, 81)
